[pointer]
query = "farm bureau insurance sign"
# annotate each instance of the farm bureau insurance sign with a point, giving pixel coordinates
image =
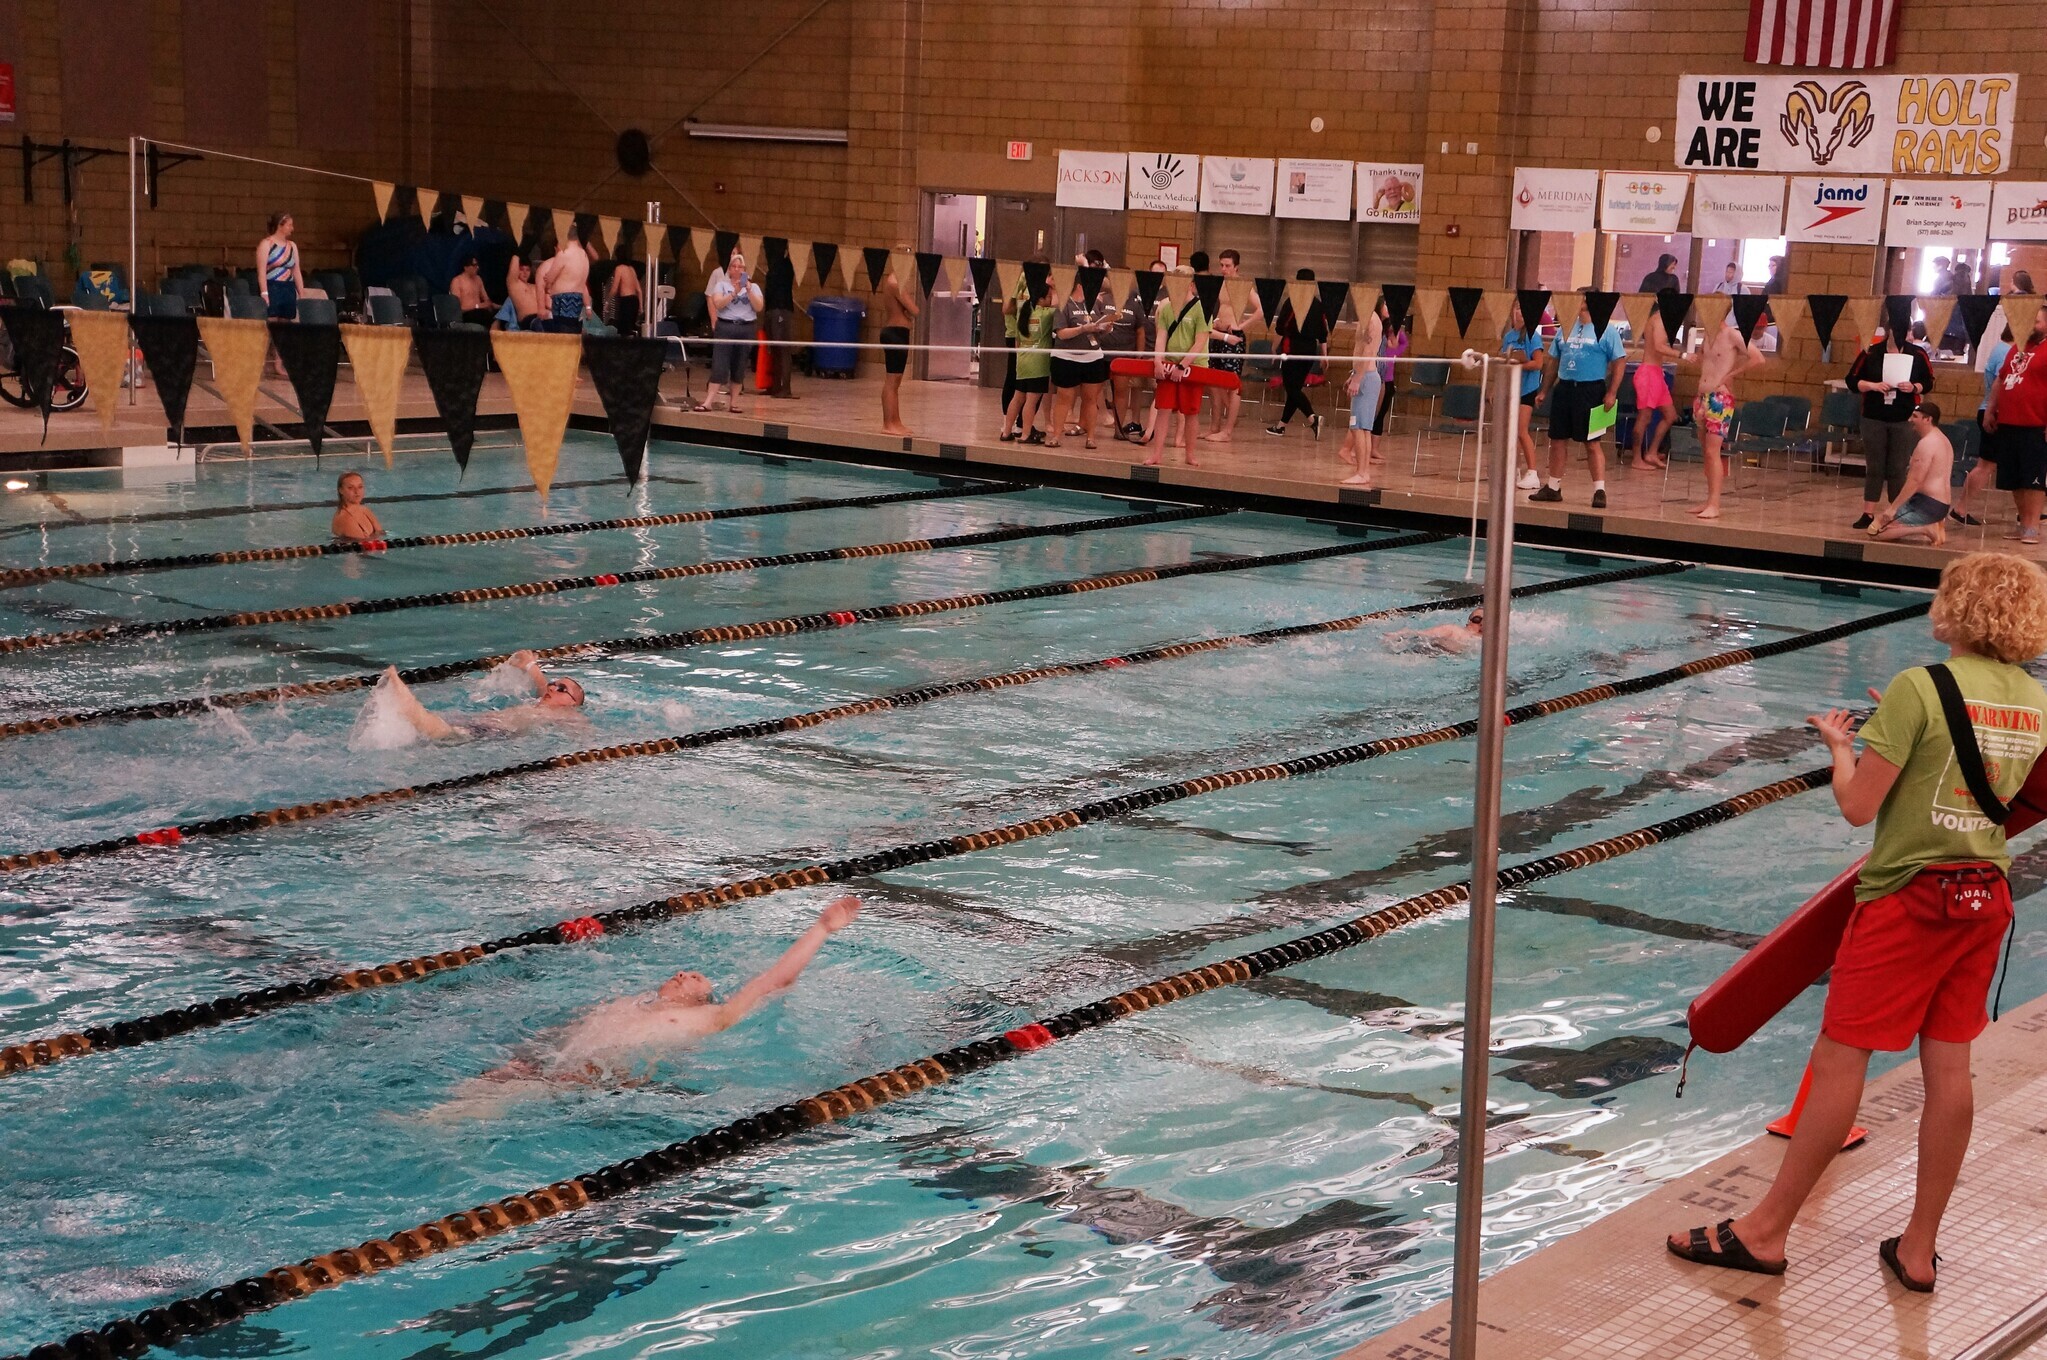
(1846, 124)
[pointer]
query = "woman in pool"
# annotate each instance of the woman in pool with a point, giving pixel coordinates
(1932, 906)
(354, 522)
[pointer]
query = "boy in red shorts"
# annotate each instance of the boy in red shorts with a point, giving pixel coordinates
(1932, 905)
(1181, 347)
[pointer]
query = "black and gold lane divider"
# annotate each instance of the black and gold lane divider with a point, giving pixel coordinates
(206, 1014)
(256, 618)
(238, 823)
(735, 632)
(195, 1314)
(27, 576)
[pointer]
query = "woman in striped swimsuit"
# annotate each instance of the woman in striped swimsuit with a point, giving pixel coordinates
(277, 271)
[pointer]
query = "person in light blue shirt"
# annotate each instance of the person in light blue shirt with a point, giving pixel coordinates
(1985, 471)
(1587, 364)
(1522, 344)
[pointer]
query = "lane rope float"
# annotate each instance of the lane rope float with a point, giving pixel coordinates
(38, 1053)
(198, 1313)
(26, 576)
(234, 824)
(735, 632)
(392, 604)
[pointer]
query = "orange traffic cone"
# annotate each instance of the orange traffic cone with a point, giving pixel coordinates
(1785, 1127)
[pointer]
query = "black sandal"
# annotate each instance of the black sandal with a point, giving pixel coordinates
(1731, 1254)
(1889, 1252)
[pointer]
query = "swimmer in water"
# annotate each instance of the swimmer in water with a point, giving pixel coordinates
(608, 1043)
(354, 522)
(555, 699)
(1449, 639)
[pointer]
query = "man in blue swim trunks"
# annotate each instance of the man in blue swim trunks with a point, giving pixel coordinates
(1918, 513)
(565, 283)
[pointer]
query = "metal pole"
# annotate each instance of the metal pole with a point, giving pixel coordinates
(1485, 868)
(128, 375)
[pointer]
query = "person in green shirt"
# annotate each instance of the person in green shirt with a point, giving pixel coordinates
(1919, 953)
(1182, 346)
(1036, 319)
(1016, 299)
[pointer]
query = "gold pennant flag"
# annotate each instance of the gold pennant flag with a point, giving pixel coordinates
(1867, 313)
(1497, 307)
(472, 208)
(1008, 276)
(953, 273)
(1177, 287)
(518, 212)
(1122, 283)
(383, 192)
(1062, 282)
(1237, 292)
(904, 264)
(1712, 311)
(1485, 322)
(540, 370)
(750, 247)
(1364, 297)
(429, 199)
(1939, 310)
(563, 220)
(1428, 307)
(701, 241)
(377, 355)
(101, 339)
(800, 261)
(1640, 310)
(607, 231)
(1301, 295)
(1788, 313)
(237, 349)
(2019, 310)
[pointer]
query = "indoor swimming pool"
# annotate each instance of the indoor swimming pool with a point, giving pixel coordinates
(1260, 1170)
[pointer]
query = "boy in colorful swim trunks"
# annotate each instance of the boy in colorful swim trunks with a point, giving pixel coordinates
(1727, 356)
(1920, 510)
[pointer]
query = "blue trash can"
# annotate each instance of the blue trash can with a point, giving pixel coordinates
(834, 327)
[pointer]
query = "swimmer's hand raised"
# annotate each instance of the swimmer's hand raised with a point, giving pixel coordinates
(839, 914)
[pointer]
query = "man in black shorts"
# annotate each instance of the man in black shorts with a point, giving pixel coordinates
(898, 312)
(2015, 427)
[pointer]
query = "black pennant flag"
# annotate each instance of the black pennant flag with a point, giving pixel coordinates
(1464, 306)
(170, 346)
(1399, 302)
(37, 335)
(1037, 274)
(825, 256)
(875, 258)
(1601, 306)
(1749, 310)
(928, 262)
(1672, 307)
(1976, 310)
(1826, 314)
(455, 361)
(628, 241)
(627, 374)
(311, 356)
(982, 267)
(1533, 302)
(1090, 277)
(1898, 316)
(678, 248)
(494, 215)
(1148, 284)
(1334, 294)
(537, 220)
(1271, 292)
(774, 248)
(1209, 288)
(723, 243)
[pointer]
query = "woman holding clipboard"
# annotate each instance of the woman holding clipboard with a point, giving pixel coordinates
(1891, 375)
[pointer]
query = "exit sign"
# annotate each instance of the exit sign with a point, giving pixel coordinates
(1019, 151)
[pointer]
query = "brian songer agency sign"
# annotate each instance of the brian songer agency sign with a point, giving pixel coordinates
(1843, 124)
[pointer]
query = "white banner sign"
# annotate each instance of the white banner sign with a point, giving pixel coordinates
(1236, 184)
(1555, 200)
(1389, 192)
(1842, 212)
(1847, 123)
(1314, 189)
(2018, 210)
(1740, 207)
(1161, 181)
(1632, 201)
(1092, 179)
(1951, 214)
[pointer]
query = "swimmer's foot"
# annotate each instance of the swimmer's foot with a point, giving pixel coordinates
(1705, 511)
(1356, 479)
(1718, 1246)
(902, 430)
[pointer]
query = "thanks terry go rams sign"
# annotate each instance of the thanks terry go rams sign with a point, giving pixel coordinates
(1847, 123)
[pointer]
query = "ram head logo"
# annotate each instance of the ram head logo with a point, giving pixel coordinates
(1809, 107)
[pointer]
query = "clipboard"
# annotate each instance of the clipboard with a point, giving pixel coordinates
(1600, 421)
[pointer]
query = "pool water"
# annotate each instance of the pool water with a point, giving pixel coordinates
(1262, 1171)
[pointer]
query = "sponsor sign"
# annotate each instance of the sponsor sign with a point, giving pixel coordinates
(1161, 181)
(1314, 189)
(1091, 179)
(1389, 192)
(1740, 207)
(1555, 200)
(1842, 212)
(1236, 184)
(1952, 214)
(1632, 201)
(1847, 123)
(2018, 210)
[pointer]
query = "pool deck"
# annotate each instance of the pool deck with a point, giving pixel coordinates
(1611, 1291)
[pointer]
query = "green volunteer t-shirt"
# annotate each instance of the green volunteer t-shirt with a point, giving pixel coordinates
(1930, 816)
(1186, 333)
(1034, 351)
(1017, 295)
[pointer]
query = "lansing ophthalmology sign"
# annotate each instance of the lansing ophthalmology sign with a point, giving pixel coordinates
(1860, 124)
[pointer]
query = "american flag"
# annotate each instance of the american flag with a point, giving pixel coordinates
(1844, 34)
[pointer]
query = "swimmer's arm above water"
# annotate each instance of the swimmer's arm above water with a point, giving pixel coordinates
(785, 970)
(427, 723)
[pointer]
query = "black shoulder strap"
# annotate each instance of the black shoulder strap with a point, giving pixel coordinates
(1962, 733)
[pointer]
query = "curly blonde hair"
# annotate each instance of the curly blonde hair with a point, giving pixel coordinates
(1993, 604)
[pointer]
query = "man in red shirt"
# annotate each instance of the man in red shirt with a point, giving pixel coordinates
(2016, 420)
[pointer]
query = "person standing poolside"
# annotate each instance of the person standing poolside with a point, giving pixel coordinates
(353, 522)
(1226, 348)
(1931, 908)
(1921, 510)
(1011, 305)
(735, 301)
(1229, 403)
(279, 276)
(1303, 341)
(1035, 320)
(1725, 357)
(1182, 347)
(1730, 280)
(1523, 344)
(2014, 423)
(1886, 406)
(622, 298)
(522, 298)
(899, 313)
(565, 284)
(1652, 394)
(1661, 277)
(1077, 362)
(1586, 377)
(1365, 387)
(1985, 472)
(778, 298)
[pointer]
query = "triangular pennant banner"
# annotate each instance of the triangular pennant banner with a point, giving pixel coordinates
(1364, 298)
(1333, 294)
(954, 274)
(1399, 302)
(1672, 307)
(1091, 278)
(1062, 281)
(101, 339)
(377, 356)
(428, 200)
(472, 208)
(1868, 314)
(723, 243)
(237, 349)
(773, 248)
(1825, 309)
(455, 361)
(1209, 288)
(1939, 311)
(494, 216)
(586, 231)
(627, 375)
(1179, 288)
(630, 232)
(875, 260)
(1237, 292)
(1148, 282)
(1428, 306)
(561, 219)
(37, 335)
(2019, 311)
(1898, 315)
(1748, 313)
(311, 357)
(1301, 295)
(750, 248)
(1712, 309)
(540, 370)
(1271, 292)
(1534, 302)
(1601, 305)
(515, 218)
(799, 260)
(826, 256)
(700, 242)
(1464, 306)
(982, 270)
(383, 193)
(170, 346)
(1036, 275)
(607, 231)
(1976, 310)
(1639, 309)
(928, 263)
(1787, 314)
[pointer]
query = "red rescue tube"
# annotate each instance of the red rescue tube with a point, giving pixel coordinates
(1798, 953)
(1200, 377)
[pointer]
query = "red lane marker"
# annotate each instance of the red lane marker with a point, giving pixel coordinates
(581, 928)
(375, 545)
(1116, 661)
(169, 835)
(1032, 1036)
(605, 580)
(843, 616)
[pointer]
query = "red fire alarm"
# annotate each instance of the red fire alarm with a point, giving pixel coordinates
(1451, 229)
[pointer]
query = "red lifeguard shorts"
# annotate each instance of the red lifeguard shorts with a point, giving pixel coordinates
(1909, 968)
(1184, 397)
